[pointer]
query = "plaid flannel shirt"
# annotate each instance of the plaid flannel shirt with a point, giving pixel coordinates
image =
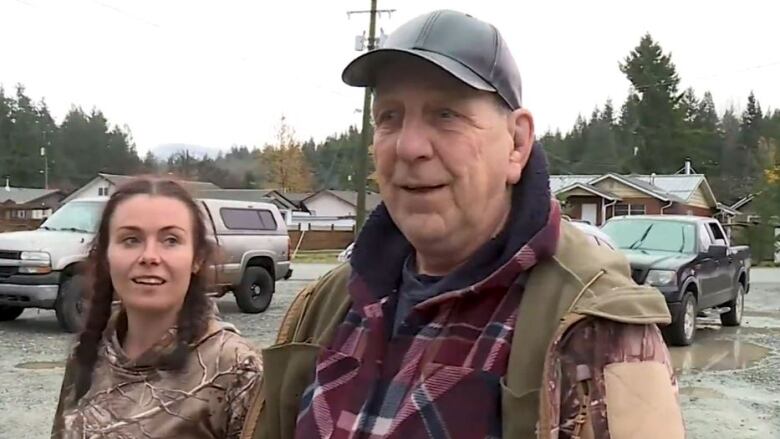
(439, 376)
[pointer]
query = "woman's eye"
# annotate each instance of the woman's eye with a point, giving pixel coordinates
(171, 240)
(130, 240)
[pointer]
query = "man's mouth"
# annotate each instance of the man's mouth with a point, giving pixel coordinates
(148, 280)
(422, 189)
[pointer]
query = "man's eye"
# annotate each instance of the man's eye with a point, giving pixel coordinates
(447, 114)
(386, 116)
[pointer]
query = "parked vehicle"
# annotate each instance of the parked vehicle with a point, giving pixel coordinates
(346, 253)
(596, 235)
(43, 268)
(689, 259)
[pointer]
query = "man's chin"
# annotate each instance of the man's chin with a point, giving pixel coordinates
(425, 232)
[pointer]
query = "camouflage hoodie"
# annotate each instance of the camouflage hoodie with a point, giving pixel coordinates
(137, 398)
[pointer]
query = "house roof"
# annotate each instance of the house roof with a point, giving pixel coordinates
(592, 189)
(372, 198)
(681, 185)
(189, 184)
(678, 187)
(558, 182)
(281, 200)
(744, 201)
(255, 195)
(20, 195)
(116, 180)
(296, 197)
(640, 185)
(727, 210)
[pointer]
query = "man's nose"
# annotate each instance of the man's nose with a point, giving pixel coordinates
(151, 254)
(414, 141)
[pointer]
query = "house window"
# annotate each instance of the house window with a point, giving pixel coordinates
(102, 191)
(624, 209)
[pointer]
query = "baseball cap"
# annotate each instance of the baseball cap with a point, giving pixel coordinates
(469, 49)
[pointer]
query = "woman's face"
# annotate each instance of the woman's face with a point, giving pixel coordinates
(151, 253)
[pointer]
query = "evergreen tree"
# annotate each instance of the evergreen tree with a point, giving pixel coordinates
(654, 82)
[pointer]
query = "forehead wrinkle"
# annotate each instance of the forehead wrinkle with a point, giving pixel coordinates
(135, 228)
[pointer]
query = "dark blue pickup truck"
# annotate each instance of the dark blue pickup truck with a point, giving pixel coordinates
(689, 259)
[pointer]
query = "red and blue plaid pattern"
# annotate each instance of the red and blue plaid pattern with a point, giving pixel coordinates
(439, 377)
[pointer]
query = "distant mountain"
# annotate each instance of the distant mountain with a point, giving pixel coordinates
(164, 151)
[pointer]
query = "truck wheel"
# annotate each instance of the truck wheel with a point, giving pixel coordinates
(683, 328)
(734, 316)
(8, 313)
(254, 294)
(69, 306)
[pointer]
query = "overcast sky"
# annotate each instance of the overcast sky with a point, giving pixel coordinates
(219, 73)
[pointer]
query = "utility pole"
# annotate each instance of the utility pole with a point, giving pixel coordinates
(361, 180)
(45, 168)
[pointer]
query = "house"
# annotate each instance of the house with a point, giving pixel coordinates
(28, 203)
(286, 207)
(339, 204)
(259, 195)
(596, 198)
(746, 212)
(104, 184)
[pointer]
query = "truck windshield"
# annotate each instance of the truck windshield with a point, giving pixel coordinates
(76, 216)
(666, 236)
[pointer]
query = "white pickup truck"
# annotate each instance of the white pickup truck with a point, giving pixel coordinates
(43, 268)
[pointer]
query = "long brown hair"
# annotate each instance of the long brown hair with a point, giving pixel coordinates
(193, 318)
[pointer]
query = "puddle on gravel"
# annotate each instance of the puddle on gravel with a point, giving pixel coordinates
(701, 393)
(717, 355)
(40, 365)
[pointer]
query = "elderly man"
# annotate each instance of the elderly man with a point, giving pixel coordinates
(468, 309)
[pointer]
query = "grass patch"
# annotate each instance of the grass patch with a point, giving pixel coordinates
(317, 257)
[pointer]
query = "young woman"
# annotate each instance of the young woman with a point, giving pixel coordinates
(161, 366)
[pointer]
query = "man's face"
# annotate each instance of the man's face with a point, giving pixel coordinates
(445, 155)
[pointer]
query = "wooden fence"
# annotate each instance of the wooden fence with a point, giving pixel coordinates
(321, 239)
(13, 225)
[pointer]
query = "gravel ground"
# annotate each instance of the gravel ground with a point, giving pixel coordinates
(729, 379)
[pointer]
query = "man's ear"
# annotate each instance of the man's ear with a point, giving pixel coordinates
(522, 128)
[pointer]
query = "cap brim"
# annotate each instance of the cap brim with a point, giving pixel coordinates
(362, 71)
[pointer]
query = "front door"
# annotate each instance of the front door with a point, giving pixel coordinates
(589, 213)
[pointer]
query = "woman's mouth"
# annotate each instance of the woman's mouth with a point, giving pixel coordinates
(148, 280)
